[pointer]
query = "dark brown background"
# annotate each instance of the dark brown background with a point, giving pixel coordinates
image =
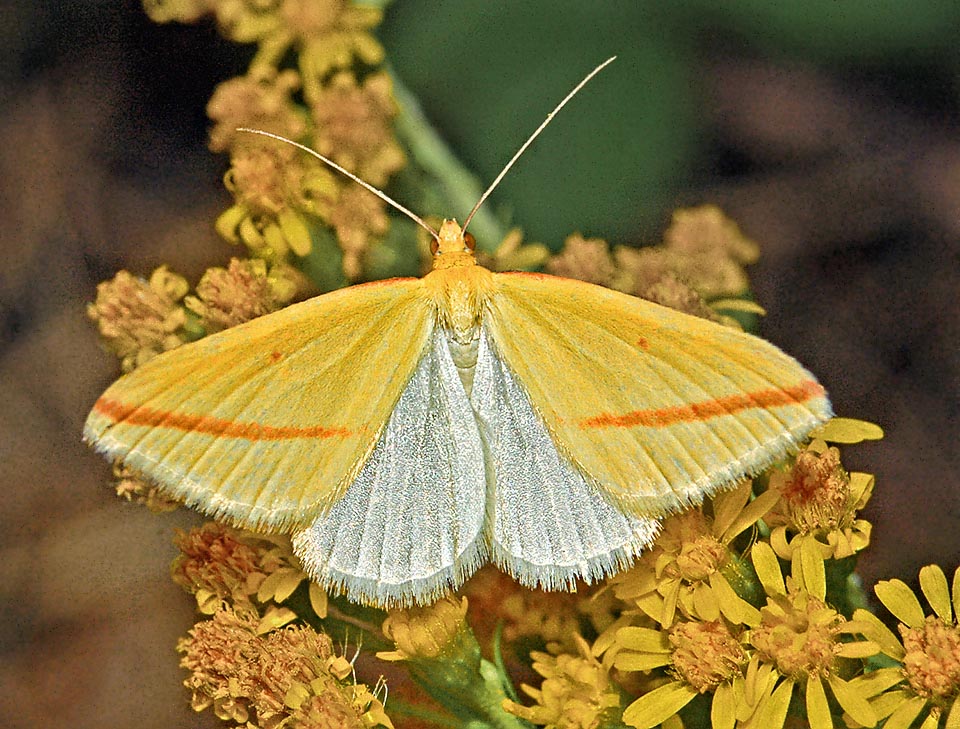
(849, 177)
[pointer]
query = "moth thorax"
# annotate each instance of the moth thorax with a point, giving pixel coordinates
(464, 351)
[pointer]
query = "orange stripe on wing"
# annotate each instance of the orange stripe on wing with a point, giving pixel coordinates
(120, 412)
(693, 412)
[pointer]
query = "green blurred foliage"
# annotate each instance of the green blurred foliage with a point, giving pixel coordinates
(615, 160)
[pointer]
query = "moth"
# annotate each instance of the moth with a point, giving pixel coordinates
(407, 431)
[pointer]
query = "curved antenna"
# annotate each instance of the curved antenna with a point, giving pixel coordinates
(382, 195)
(533, 136)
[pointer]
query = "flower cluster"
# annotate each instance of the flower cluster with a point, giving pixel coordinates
(713, 619)
(701, 260)
(286, 204)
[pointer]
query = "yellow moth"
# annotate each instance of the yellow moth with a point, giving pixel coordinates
(407, 431)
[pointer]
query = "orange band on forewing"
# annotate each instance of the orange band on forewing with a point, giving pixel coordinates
(119, 412)
(728, 405)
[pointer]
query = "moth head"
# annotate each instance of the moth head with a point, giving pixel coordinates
(451, 239)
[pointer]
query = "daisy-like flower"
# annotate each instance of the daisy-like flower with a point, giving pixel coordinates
(689, 568)
(798, 647)
(241, 292)
(130, 486)
(276, 190)
(219, 563)
(139, 319)
(705, 229)
(286, 676)
(514, 255)
(587, 259)
(701, 657)
(576, 693)
(927, 680)
(262, 100)
(815, 517)
(353, 126)
(425, 632)
(357, 217)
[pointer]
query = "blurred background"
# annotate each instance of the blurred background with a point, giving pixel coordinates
(829, 131)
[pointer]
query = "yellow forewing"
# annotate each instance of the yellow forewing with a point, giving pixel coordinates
(657, 407)
(266, 424)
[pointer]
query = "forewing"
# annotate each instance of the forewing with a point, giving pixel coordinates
(266, 423)
(549, 527)
(410, 526)
(657, 407)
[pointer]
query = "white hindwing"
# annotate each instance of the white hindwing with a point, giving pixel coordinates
(550, 526)
(411, 525)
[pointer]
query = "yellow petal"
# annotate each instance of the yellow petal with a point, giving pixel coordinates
(931, 721)
(723, 709)
(275, 618)
(640, 661)
(933, 583)
(768, 568)
(280, 585)
(814, 575)
(228, 221)
(818, 710)
(748, 307)
(905, 714)
(848, 430)
(727, 506)
(852, 701)
(734, 608)
(879, 633)
(876, 682)
(886, 703)
(858, 649)
(953, 718)
(774, 710)
(900, 600)
(295, 231)
(705, 602)
(861, 488)
(647, 640)
(781, 545)
(956, 590)
(670, 605)
(655, 707)
(750, 514)
(318, 600)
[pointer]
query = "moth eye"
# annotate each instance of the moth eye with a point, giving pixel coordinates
(469, 241)
(434, 246)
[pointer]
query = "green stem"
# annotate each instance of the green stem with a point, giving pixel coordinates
(458, 188)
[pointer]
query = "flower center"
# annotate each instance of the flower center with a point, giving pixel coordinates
(705, 654)
(932, 663)
(818, 491)
(797, 633)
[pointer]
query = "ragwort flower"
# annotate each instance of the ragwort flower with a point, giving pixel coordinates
(241, 292)
(140, 319)
(701, 657)
(586, 259)
(798, 646)
(689, 566)
(817, 509)
(928, 678)
(576, 693)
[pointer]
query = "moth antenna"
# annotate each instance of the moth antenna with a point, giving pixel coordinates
(533, 136)
(382, 195)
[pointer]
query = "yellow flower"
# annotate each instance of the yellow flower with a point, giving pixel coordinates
(703, 657)
(672, 292)
(425, 631)
(689, 566)
(353, 126)
(131, 487)
(818, 504)
(276, 190)
(281, 677)
(576, 692)
(139, 319)
(220, 563)
(798, 646)
(705, 229)
(587, 259)
(514, 255)
(261, 100)
(241, 292)
(928, 651)
(357, 217)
